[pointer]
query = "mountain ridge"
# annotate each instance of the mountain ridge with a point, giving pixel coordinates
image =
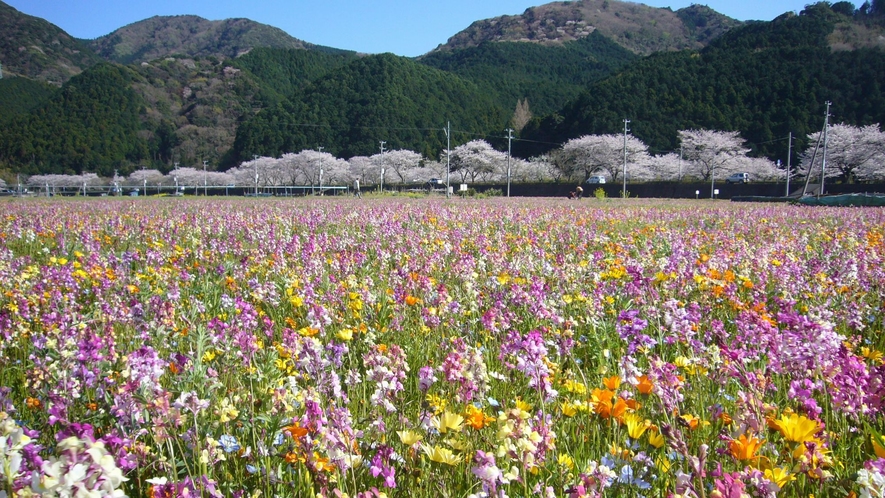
(34, 48)
(639, 28)
(189, 35)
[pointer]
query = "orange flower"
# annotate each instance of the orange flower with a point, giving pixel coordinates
(33, 403)
(476, 418)
(645, 385)
(633, 404)
(411, 300)
(173, 368)
(612, 383)
(745, 448)
(296, 431)
(322, 463)
(619, 409)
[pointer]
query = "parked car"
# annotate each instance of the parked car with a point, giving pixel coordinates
(738, 178)
(596, 179)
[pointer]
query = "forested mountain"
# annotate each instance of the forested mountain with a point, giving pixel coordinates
(546, 75)
(92, 122)
(192, 36)
(283, 72)
(636, 27)
(379, 97)
(765, 80)
(20, 95)
(34, 48)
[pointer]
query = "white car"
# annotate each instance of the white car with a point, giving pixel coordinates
(738, 178)
(596, 179)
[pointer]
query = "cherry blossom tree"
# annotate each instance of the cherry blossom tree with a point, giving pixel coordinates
(257, 172)
(398, 162)
(759, 168)
(427, 170)
(65, 181)
(853, 153)
(308, 166)
(592, 154)
(710, 154)
(362, 168)
(477, 160)
(666, 167)
(138, 177)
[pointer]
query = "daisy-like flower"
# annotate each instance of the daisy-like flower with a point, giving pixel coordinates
(448, 421)
(644, 385)
(636, 425)
(797, 428)
(744, 447)
(656, 439)
(440, 454)
(779, 476)
(408, 437)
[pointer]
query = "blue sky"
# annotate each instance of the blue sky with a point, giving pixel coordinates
(403, 27)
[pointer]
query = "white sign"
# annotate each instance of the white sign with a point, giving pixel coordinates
(463, 187)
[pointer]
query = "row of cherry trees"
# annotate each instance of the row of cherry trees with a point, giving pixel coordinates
(853, 153)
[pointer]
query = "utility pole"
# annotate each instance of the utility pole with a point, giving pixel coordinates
(255, 162)
(382, 165)
(205, 183)
(823, 164)
(680, 163)
(624, 191)
(509, 138)
(789, 156)
(448, 130)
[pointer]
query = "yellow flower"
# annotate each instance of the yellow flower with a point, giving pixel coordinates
(408, 438)
(575, 387)
(437, 403)
(745, 448)
(568, 409)
(797, 428)
(522, 405)
(779, 476)
(873, 355)
(566, 461)
(656, 439)
(227, 412)
(448, 421)
(440, 455)
(345, 335)
(308, 331)
(636, 425)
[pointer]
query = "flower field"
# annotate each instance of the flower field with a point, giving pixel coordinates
(245, 348)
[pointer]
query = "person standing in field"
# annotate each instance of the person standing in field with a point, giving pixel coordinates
(356, 188)
(579, 192)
